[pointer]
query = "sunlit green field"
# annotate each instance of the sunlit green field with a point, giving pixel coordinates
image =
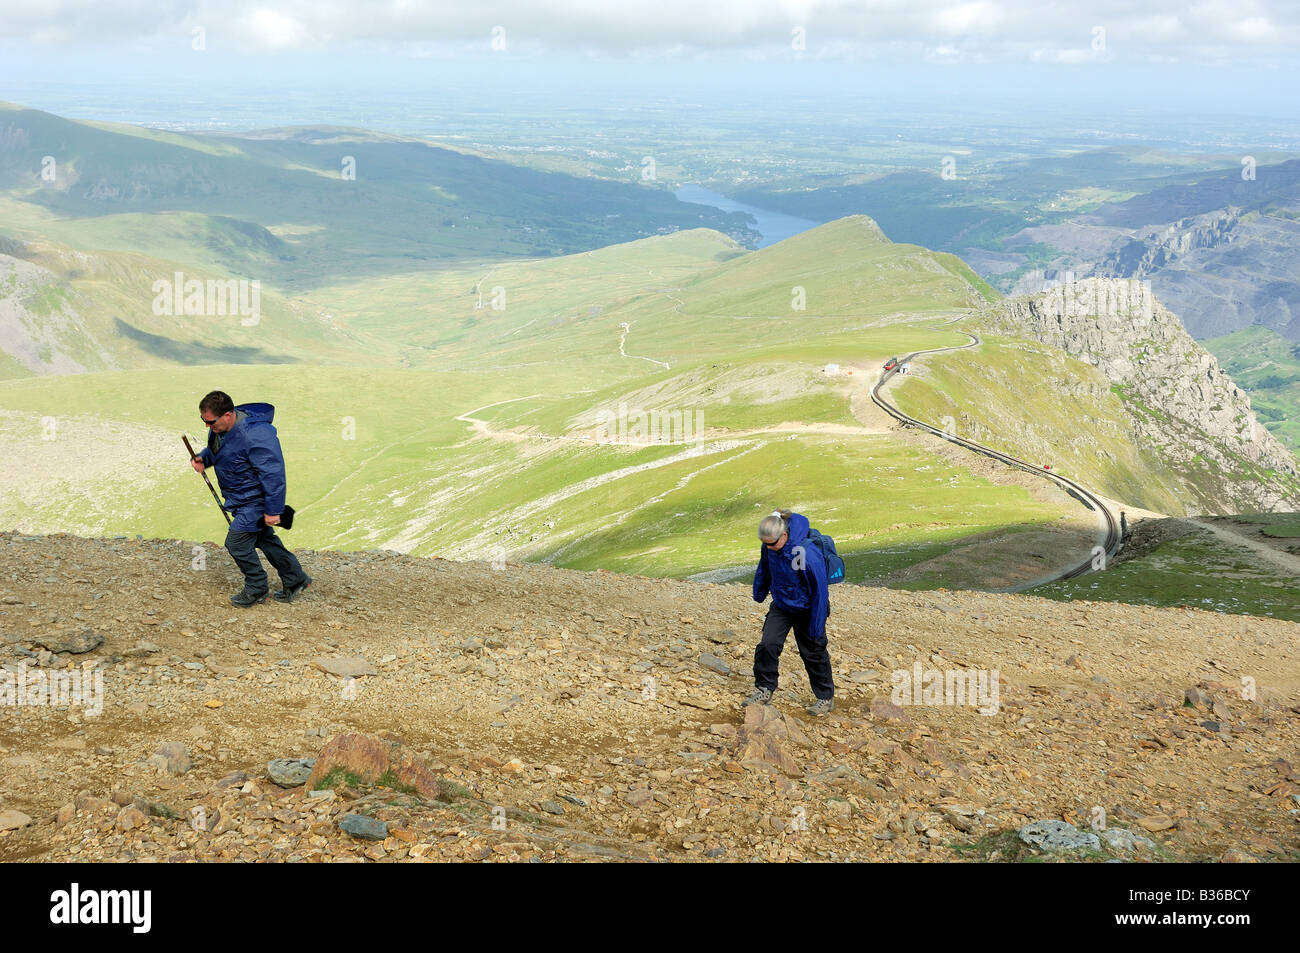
(1078, 425)
(458, 401)
(454, 429)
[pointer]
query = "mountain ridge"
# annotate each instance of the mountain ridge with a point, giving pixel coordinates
(1167, 379)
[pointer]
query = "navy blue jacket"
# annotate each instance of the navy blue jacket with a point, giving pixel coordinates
(250, 467)
(795, 590)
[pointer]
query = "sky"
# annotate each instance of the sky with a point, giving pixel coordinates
(1208, 32)
(1230, 57)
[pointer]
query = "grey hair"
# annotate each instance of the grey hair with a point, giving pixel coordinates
(773, 525)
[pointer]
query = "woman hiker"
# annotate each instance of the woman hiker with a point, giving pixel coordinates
(794, 572)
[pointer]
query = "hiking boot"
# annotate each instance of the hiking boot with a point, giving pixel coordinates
(288, 595)
(243, 598)
(761, 696)
(821, 707)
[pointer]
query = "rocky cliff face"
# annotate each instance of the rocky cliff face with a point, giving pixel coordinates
(1222, 253)
(1155, 247)
(1183, 406)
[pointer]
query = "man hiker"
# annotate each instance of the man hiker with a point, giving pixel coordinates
(245, 450)
(794, 572)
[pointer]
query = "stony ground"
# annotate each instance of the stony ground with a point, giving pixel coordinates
(572, 715)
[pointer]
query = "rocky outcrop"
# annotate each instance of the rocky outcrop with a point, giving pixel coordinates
(1182, 404)
(1223, 253)
(1155, 247)
(371, 760)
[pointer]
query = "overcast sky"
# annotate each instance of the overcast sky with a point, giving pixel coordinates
(115, 58)
(1206, 32)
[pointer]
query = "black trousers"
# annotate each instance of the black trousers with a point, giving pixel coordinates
(243, 547)
(767, 657)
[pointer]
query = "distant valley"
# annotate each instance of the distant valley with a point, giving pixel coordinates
(440, 381)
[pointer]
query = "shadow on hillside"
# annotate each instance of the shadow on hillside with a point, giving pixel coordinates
(990, 560)
(1010, 556)
(196, 352)
(1238, 564)
(1279, 532)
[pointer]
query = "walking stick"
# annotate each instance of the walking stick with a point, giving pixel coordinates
(204, 474)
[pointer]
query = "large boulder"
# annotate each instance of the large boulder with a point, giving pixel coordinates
(74, 643)
(290, 772)
(764, 740)
(1058, 835)
(372, 760)
(173, 757)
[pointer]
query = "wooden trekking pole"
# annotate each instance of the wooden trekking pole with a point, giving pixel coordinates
(204, 474)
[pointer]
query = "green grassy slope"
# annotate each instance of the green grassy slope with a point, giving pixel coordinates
(378, 457)
(451, 405)
(99, 310)
(1268, 366)
(1039, 404)
(295, 207)
(1196, 570)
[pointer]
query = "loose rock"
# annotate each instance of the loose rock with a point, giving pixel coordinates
(172, 757)
(13, 820)
(290, 772)
(362, 827)
(1058, 835)
(1121, 839)
(85, 641)
(345, 667)
(715, 663)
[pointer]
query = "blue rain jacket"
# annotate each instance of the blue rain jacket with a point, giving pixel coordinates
(795, 590)
(250, 467)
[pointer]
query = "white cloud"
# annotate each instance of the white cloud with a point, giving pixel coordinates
(273, 30)
(1008, 30)
(978, 17)
(1162, 28)
(1253, 30)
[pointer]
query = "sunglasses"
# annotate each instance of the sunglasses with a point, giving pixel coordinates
(209, 423)
(773, 544)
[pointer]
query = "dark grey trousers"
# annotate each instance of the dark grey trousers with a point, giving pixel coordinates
(816, 657)
(243, 548)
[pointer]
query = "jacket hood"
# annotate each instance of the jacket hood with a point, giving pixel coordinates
(264, 413)
(799, 526)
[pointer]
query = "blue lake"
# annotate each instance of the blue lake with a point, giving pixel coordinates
(773, 226)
